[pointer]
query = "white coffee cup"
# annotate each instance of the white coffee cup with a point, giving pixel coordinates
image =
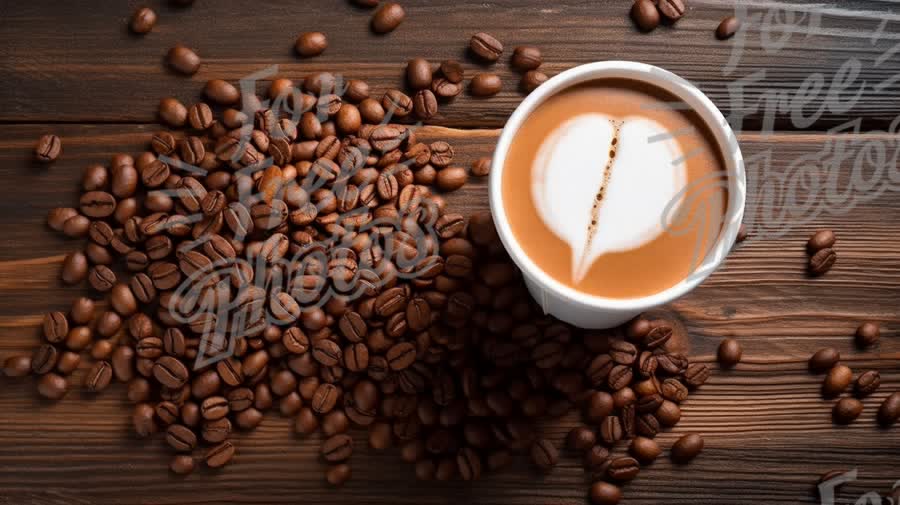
(588, 311)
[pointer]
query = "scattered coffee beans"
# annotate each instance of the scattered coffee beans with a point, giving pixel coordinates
(48, 148)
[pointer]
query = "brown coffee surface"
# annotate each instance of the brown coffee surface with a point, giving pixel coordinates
(658, 264)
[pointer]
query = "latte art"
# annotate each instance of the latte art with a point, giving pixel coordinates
(604, 185)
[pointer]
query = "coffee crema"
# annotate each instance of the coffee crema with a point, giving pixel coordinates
(615, 188)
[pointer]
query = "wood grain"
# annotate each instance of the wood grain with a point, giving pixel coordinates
(118, 77)
(768, 430)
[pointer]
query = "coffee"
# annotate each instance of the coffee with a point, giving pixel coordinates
(615, 188)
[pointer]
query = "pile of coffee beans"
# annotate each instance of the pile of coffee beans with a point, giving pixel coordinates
(820, 249)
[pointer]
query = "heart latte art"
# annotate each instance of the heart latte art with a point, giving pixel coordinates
(603, 185)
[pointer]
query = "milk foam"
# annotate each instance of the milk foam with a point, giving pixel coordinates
(602, 185)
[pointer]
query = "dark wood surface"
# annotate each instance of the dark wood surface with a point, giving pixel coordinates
(72, 68)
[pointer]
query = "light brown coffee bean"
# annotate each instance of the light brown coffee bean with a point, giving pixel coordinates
(388, 17)
(486, 47)
(311, 44)
(485, 84)
(183, 60)
(645, 15)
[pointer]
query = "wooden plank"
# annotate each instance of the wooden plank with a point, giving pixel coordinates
(54, 70)
(768, 431)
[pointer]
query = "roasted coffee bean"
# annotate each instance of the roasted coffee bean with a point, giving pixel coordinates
(182, 464)
(388, 17)
(526, 58)
(325, 398)
(823, 239)
(611, 430)
(867, 383)
(425, 104)
(647, 425)
(672, 9)
(444, 89)
(419, 73)
(183, 60)
(76, 226)
(327, 352)
(824, 359)
(143, 20)
(337, 448)
(657, 336)
(48, 148)
(172, 112)
(221, 92)
(485, 84)
(668, 414)
(486, 47)
(729, 353)
(55, 327)
(170, 372)
(868, 334)
(481, 167)
(401, 356)
(532, 80)
(453, 71)
(604, 493)
(217, 430)
(727, 28)
(889, 411)
(822, 261)
(181, 438)
(468, 464)
(672, 389)
(98, 377)
(544, 454)
(696, 375)
(337, 475)
(214, 407)
(44, 359)
(645, 15)
(687, 448)
(123, 363)
(17, 366)
(599, 405)
(101, 278)
(581, 438)
(847, 410)
(220, 455)
(648, 404)
(58, 216)
(397, 102)
(619, 377)
(623, 469)
(623, 353)
(311, 44)
(52, 386)
(837, 380)
(200, 116)
(451, 178)
(97, 204)
(645, 450)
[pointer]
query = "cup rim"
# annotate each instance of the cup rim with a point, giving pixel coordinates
(714, 120)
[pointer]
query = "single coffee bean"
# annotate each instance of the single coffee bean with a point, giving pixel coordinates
(453, 71)
(101, 278)
(48, 148)
(672, 9)
(623, 469)
(216, 430)
(98, 377)
(325, 398)
(468, 464)
(397, 102)
(847, 410)
(837, 380)
(889, 411)
(526, 58)
(611, 430)
(76, 226)
(75, 268)
(55, 327)
(668, 413)
(823, 239)
(337, 448)
(696, 375)
(220, 455)
(143, 20)
(727, 28)
(645, 450)
(425, 104)
(337, 475)
(53, 386)
(486, 47)
(868, 334)
(68, 362)
(687, 448)
(581, 438)
(822, 261)
(388, 17)
(604, 493)
(172, 112)
(595, 457)
(17, 366)
(221, 92)
(214, 407)
(183, 60)
(867, 383)
(311, 44)
(544, 454)
(44, 359)
(485, 84)
(599, 405)
(419, 73)
(181, 438)
(58, 216)
(658, 336)
(619, 377)
(401, 356)
(648, 404)
(451, 178)
(623, 353)
(730, 353)
(645, 15)
(97, 204)
(824, 359)
(481, 167)
(182, 464)
(170, 372)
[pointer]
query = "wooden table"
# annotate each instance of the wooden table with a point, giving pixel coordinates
(73, 69)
